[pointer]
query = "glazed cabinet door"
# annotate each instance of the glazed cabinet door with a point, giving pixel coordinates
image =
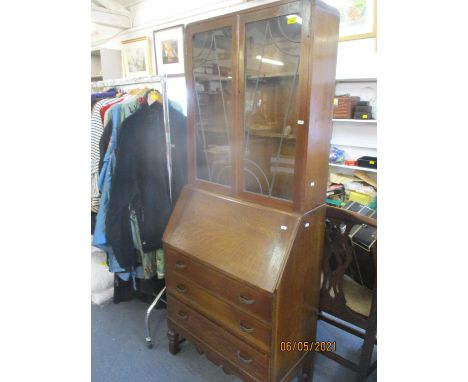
(270, 74)
(211, 77)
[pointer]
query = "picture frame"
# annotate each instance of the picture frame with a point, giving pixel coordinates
(358, 18)
(136, 57)
(169, 50)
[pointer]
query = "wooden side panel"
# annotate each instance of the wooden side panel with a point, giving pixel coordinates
(324, 24)
(244, 240)
(298, 293)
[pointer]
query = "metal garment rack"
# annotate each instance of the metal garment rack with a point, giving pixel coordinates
(167, 131)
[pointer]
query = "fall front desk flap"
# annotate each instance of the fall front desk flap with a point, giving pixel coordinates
(244, 240)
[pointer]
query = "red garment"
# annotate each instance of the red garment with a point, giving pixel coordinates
(106, 107)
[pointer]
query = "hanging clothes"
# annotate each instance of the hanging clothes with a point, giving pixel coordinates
(106, 170)
(147, 265)
(99, 96)
(140, 180)
(96, 132)
(129, 107)
(105, 183)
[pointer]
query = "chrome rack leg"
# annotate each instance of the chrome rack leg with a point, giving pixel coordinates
(149, 341)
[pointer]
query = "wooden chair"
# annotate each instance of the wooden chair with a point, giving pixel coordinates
(341, 297)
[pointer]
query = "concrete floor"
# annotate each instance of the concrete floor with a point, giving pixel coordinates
(119, 352)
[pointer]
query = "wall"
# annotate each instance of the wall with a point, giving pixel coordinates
(95, 65)
(356, 59)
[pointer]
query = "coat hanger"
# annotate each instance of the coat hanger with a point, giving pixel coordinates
(154, 96)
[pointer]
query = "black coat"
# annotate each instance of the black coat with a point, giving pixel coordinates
(140, 180)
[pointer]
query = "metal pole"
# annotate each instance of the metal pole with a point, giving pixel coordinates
(149, 341)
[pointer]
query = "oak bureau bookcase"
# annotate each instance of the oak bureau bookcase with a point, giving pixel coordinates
(243, 245)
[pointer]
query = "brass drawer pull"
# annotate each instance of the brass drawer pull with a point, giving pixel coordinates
(242, 358)
(180, 264)
(246, 329)
(245, 300)
(182, 315)
(181, 288)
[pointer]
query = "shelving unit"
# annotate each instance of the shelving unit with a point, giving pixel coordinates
(351, 80)
(357, 121)
(353, 167)
(358, 137)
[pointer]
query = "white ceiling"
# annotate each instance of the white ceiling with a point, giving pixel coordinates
(111, 17)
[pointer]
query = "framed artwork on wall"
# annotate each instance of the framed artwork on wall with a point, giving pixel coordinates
(136, 57)
(169, 50)
(358, 18)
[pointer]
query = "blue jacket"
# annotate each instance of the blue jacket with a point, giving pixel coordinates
(104, 183)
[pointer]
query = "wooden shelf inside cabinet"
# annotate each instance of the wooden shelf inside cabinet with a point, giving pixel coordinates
(353, 167)
(214, 129)
(211, 77)
(270, 134)
(266, 76)
(357, 121)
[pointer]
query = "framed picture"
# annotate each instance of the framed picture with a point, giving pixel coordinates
(358, 18)
(136, 57)
(169, 50)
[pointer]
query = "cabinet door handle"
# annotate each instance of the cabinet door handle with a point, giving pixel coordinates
(245, 300)
(182, 315)
(243, 358)
(181, 288)
(180, 264)
(246, 329)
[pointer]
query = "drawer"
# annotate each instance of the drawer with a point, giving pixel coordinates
(246, 298)
(234, 320)
(223, 343)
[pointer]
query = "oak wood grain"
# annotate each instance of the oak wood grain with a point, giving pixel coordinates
(229, 346)
(235, 292)
(236, 257)
(243, 240)
(243, 325)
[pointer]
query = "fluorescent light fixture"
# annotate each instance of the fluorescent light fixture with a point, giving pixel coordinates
(293, 19)
(270, 61)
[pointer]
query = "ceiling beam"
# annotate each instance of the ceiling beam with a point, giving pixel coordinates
(114, 19)
(113, 6)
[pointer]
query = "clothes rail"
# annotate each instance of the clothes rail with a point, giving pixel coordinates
(141, 81)
(167, 132)
(128, 81)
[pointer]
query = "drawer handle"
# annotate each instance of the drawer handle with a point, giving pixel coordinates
(246, 328)
(245, 300)
(182, 315)
(181, 288)
(242, 358)
(180, 264)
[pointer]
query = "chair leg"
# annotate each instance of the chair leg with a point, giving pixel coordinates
(366, 354)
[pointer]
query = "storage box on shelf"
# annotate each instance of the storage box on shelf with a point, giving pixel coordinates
(344, 106)
(358, 137)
